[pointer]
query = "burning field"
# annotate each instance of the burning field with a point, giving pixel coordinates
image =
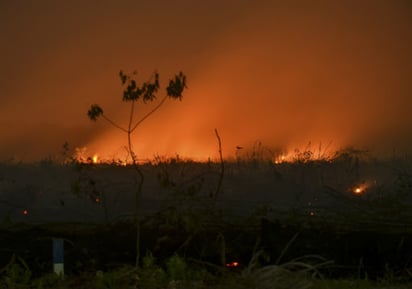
(240, 137)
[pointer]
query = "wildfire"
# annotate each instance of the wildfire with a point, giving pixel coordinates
(359, 189)
(280, 159)
(120, 156)
(80, 155)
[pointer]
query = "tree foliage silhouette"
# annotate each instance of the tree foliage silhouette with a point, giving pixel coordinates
(145, 92)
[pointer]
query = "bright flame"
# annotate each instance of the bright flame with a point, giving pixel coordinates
(109, 154)
(360, 189)
(280, 159)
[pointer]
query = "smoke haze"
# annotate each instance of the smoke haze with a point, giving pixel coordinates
(285, 73)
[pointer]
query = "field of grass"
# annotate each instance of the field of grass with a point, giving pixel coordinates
(341, 223)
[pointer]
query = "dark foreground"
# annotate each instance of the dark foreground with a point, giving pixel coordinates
(301, 218)
(337, 251)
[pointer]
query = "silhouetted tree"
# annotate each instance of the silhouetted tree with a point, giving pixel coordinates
(132, 93)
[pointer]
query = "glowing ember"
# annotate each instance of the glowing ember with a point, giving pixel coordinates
(97, 200)
(25, 212)
(358, 190)
(232, 264)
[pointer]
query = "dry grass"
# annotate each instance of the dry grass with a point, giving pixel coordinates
(298, 274)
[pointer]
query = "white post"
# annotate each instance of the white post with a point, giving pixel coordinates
(58, 257)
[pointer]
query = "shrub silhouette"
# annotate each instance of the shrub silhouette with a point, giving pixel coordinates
(132, 93)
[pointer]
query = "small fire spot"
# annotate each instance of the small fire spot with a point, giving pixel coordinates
(232, 264)
(359, 190)
(25, 212)
(97, 200)
(280, 159)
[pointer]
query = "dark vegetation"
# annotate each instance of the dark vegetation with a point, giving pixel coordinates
(270, 213)
(133, 93)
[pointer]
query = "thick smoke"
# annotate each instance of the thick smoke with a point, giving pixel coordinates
(282, 73)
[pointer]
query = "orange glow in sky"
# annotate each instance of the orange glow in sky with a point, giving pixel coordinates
(329, 73)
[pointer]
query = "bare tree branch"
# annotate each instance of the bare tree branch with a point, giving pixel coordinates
(113, 123)
(222, 166)
(149, 113)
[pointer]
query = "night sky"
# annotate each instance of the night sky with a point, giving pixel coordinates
(284, 73)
